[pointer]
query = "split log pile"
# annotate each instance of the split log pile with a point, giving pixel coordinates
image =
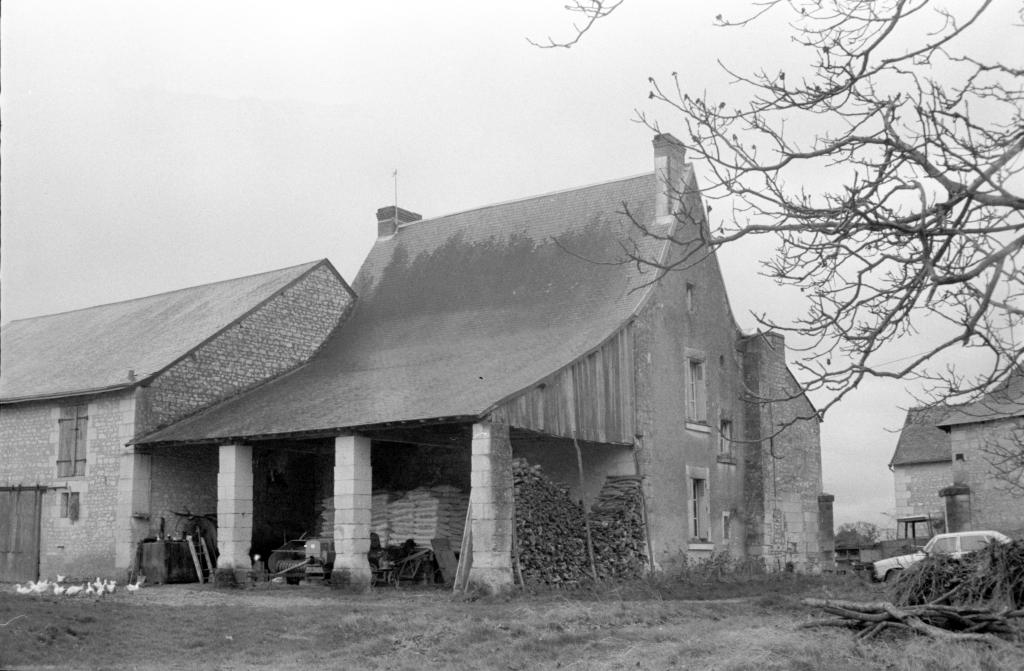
(617, 524)
(977, 597)
(550, 541)
(551, 532)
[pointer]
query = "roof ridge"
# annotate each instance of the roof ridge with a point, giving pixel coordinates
(310, 264)
(513, 201)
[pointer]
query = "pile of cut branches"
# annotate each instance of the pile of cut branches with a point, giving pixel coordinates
(977, 597)
(936, 620)
(992, 576)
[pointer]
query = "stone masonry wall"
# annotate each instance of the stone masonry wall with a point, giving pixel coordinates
(29, 433)
(687, 317)
(784, 475)
(993, 504)
(282, 334)
(917, 489)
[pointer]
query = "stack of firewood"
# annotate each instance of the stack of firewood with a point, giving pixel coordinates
(617, 525)
(551, 540)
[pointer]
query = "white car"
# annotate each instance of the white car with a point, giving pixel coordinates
(955, 545)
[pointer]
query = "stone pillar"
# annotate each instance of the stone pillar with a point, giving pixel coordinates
(353, 479)
(958, 507)
(132, 515)
(826, 528)
(234, 513)
(491, 499)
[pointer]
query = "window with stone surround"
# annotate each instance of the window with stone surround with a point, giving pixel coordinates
(725, 437)
(74, 424)
(699, 508)
(696, 391)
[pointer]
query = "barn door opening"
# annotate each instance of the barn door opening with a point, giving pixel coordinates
(20, 510)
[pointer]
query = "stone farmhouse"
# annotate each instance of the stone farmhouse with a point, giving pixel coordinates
(283, 402)
(958, 468)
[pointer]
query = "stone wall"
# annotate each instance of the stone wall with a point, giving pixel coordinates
(784, 477)
(29, 433)
(688, 317)
(993, 503)
(279, 335)
(917, 488)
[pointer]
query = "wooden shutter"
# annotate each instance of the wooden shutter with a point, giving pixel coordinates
(81, 431)
(66, 449)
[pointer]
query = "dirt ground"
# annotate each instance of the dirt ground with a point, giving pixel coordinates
(645, 626)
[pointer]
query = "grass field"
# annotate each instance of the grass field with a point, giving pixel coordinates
(652, 624)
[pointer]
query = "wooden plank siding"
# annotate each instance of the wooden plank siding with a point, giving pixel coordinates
(592, 397)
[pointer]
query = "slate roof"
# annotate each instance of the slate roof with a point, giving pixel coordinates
(93, 349)
(457, 313)
(921, 440)
(1006, 401)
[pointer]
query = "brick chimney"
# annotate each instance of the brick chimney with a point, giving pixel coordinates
(669, 163)
(391, 217)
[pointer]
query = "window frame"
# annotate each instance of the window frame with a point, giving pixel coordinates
(70, 505)
(699, 510)
(696, 389)
(725, 436)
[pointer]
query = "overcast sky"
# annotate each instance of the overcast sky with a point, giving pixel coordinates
(150, 146)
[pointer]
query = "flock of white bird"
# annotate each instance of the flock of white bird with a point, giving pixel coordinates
(98, 588)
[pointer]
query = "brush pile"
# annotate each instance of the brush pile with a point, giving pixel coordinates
(551, 540)
(977, 597)
(992, 576)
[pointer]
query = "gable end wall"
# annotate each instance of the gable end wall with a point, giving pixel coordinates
(280, 335)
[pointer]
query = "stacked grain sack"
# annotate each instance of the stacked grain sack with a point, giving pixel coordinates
(379, 523)
(451, 513)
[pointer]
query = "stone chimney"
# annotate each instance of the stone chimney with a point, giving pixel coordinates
(669, 163)
(391, 217)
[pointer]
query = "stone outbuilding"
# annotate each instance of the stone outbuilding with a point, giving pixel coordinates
(513, 330)
(76, 387)
(960, 468)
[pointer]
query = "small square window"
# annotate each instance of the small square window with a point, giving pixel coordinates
(69, 505)
(959, 456)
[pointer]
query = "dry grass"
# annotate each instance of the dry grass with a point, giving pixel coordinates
(651, 624)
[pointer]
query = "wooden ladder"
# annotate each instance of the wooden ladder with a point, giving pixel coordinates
(200, 557)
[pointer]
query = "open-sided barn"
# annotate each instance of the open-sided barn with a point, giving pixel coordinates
(513, 330)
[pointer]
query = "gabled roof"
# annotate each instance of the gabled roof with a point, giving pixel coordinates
(921, 440)
(457, 313)
(925, 435)
(93, 349)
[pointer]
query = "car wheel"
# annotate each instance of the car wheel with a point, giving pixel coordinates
(893, 575)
